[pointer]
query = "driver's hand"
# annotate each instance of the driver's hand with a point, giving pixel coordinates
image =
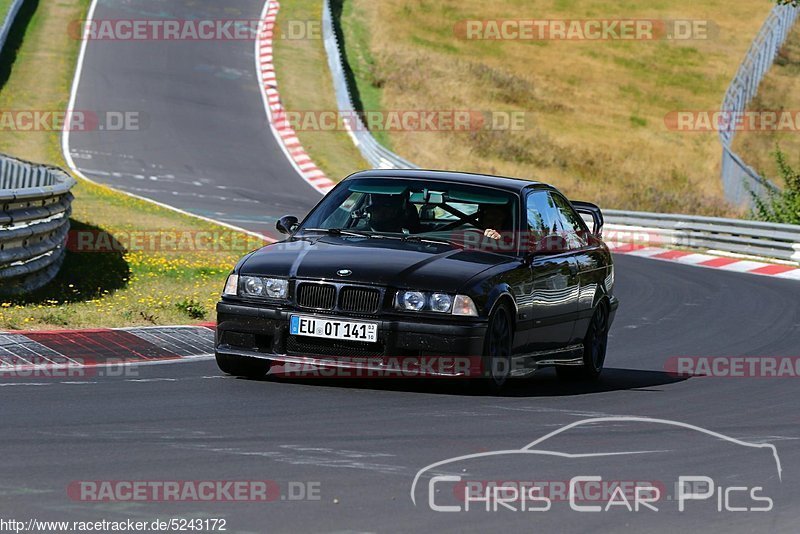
(493, 234)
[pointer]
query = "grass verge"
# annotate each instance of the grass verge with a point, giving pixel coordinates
(594, 110)
(129, 284)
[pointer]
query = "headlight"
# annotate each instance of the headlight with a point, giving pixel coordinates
(435, 302)
(271, 288)
(441, 302)
(276, 288)
(252, 286)
(231, 286)
(411, 300)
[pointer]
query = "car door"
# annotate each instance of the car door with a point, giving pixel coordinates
(592, 267)
(553, 274)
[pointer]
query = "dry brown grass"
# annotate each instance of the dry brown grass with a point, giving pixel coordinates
(594, 110)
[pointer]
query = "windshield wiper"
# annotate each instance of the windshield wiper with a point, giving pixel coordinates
(423, 239)
(356, 233)
(340, 231)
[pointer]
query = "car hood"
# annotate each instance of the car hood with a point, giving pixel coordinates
(386, 262)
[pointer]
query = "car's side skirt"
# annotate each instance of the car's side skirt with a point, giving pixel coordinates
(571, 355)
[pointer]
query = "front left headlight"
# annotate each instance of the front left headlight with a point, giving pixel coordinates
(412, 300)
(258, 287)
(441, 302)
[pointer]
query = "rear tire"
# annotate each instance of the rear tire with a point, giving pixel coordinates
(497, 349)
(241, 366)
(594, 349)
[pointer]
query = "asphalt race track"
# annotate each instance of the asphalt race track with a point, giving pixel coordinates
(363, 442)
(201, 140)
(358, 444)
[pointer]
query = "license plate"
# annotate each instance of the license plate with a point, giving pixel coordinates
(304, 325)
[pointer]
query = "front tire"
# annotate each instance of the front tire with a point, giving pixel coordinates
(594, 349)
(241, 366)
(497, 349)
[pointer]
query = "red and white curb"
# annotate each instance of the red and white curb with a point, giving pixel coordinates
(723, 263)
(283, 131)
(104, 347)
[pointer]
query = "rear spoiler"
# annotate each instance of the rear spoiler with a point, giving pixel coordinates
(593, 211)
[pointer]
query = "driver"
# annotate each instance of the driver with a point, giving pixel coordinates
(493, 219)
(388, 213)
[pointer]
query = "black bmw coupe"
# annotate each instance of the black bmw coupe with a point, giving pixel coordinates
(461, 274)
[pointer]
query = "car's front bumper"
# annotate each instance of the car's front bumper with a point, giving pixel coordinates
(254, 331)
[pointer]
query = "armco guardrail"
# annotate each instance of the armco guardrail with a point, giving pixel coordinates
(35, 205)
(8, 21)
(751, 238)
(737, 176)
(372, 151)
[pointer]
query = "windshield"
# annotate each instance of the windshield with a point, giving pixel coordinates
(395, 207)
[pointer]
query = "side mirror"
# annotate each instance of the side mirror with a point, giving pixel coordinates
(287, 224)
(593, 212)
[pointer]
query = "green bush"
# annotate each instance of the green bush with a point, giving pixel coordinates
(780, 206)
(192, 308)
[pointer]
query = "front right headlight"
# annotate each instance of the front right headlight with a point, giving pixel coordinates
(256, 287)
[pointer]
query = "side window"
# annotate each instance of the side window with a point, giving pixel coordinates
(540, 214)
(571, 222)
(544, 224)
